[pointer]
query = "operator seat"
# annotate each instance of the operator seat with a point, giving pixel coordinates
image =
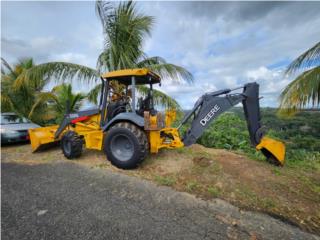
(116, 107)
(145, 105)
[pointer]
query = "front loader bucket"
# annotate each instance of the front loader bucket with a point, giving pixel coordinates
(42, 137)
(273, 150)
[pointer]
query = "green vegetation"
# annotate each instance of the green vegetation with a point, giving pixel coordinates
(305, 89)
(166, 181)
(26, 96)
(214, 191)
(300, 133)
(61, 96)
(23, 97)
(192, 186)
(228, 131)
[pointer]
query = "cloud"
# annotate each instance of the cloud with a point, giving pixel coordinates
(39, 48)
(70, 57)
(224, 44)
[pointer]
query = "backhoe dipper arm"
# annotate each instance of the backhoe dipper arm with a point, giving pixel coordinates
(211, 105)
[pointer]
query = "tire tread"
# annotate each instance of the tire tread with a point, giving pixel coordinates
(76, 144)
(141, 137)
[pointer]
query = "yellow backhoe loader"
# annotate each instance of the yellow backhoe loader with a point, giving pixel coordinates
(128, 132)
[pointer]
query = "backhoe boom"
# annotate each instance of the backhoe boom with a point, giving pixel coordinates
(211, 105)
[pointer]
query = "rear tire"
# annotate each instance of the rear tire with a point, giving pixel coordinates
(71, 145)
(126, 145)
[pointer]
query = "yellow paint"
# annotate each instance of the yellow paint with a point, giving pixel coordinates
(89, 129)
(164, 138)
(276, 148)
(94, 140)
(153, 121)
(42, 136)
(129, 73)
(170, 117)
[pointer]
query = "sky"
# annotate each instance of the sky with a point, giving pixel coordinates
(223, 44)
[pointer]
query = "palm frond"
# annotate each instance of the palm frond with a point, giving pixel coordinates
(159, 98)
(151, 61)
(304, 90)
(125, 30)
(308, 59)
(167, 70)
(7, 66)
(104, 11)
(42, 98)
(94, 94)
(6, 103)
(57, 71)
(77, 101)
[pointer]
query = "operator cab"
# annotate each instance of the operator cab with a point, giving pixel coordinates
(120, 87)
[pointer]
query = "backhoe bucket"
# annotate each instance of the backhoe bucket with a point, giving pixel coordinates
(273, 150)
(42, 137)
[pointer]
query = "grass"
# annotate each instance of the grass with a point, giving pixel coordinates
(311, 184)
(184, 150)
(166, 181)
(100, 165)
(214, 191)
(192, 186)
(276, 171)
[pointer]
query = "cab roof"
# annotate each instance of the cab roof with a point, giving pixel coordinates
(142, 75)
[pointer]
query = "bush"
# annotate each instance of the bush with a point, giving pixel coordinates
(229, 131)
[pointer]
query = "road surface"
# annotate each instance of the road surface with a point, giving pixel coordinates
(64, 200)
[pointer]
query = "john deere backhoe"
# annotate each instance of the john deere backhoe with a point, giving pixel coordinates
(127, 131)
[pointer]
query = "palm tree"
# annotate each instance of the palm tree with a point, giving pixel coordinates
(23, 98)
(305, 89)
(59, 99)
(124, 32)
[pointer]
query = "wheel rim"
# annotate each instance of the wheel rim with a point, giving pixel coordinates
(122, 147)
(67, 146)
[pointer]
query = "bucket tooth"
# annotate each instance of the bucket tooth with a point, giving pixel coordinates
(41, 138)
(274, 150)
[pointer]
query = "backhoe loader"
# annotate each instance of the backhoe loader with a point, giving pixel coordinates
(128, 131)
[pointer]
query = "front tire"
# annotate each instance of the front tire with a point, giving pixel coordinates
(71, 145)
(126, 145)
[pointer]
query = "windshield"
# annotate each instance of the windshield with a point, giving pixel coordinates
(13, 119)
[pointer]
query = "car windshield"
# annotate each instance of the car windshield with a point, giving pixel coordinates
(13, 119)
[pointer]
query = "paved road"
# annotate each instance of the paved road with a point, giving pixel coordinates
(68, 201)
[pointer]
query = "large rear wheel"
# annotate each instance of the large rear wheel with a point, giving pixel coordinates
(126, 145)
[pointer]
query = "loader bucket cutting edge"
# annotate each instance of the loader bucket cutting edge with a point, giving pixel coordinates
(42, 137)
(272, 149)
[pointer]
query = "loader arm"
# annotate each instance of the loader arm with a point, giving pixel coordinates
(211, 105)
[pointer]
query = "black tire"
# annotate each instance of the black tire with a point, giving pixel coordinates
(71, 145)
(126, 145)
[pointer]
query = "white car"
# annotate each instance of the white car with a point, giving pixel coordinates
(15, 128)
